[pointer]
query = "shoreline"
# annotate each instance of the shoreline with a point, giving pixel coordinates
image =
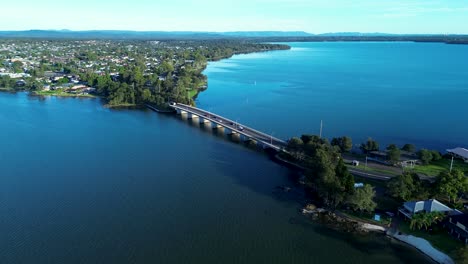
(366, 226)
(343, 223)
(423, 246)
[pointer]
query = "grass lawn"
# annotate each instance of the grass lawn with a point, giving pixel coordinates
(439, 238)
(436, 167)
(192, 93)
(375, 170)
(368, 218)
(60, 92)
(122, 105)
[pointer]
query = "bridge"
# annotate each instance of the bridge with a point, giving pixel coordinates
(231, 127)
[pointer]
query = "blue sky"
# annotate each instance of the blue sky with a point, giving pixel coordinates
(314, 16)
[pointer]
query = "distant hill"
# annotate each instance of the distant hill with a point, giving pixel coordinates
(356, 34)
(266, 34)
(271, 36)
(124, 34)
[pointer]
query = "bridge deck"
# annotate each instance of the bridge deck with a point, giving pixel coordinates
(241, 129)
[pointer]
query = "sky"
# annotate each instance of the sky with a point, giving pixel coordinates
(313, 16)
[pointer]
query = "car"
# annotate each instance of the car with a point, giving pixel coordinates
(231, 123)
(220, 121)
(241, 128)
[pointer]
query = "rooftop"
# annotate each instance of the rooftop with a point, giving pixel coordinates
(462, 152)
(431, 205)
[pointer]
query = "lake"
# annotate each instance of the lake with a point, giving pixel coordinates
(80, 183)
(394, 92)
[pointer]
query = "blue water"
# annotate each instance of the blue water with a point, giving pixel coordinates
(394, 92)
(80, 183)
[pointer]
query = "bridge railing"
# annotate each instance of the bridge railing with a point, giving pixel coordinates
(241, 132)
(254, 130)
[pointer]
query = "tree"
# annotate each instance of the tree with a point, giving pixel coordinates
(409, 148)
(426, 220)
(326, 173)
(346, 179)
(344, 143)
(408, 186)
(17, 66)
(362, 199)
(295, 144)
(310, 138)
(146, 95)
(436, 155)
(393, 153)
(425, 156)
(370, 145)
(63, 80)
(452, 184)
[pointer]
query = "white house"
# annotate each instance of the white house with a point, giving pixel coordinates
(413, 207)
(461, 153)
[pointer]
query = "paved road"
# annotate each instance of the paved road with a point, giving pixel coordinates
(372, 175)
(234, 126)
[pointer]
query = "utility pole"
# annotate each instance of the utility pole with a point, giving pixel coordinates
(451, 165)
(321, 126)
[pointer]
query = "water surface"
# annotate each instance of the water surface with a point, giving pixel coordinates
(395, 92)
(80, 183)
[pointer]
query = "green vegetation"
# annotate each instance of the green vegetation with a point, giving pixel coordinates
(62, 92)
(409, 148)
(452, 185)
(408, 186)
(449, 186)
(370, 145)
(425, 220)
(344, 143)
(369, 169)
(192, 93)
(124, 72)
(393, 153)
(426, 156)
(434, 168)
(438, 237)
(362, 199)
(327, 176)
(367, 217)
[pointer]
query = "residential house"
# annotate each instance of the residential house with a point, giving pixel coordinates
(458, 226)
(461, 153)
(20, 83)
(413, 207)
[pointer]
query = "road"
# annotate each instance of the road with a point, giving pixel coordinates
(234, 126)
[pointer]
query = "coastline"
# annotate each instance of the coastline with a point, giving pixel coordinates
(365, 226)
(343, 223)
(422, 246)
